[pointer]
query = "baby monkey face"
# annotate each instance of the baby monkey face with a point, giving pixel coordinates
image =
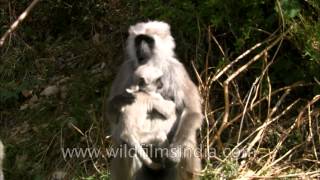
(153, 86)
(147, 79)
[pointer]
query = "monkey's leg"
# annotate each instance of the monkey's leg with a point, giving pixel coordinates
(133, 142)
(121, 169)
(189, 167)
(185, 151)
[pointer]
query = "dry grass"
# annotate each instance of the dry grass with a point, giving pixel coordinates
(262, 123)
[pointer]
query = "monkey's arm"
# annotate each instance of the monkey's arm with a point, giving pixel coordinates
(191, 116)
(118, 95)
(189, 122)
(166, 108)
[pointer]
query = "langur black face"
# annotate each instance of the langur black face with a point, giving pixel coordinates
(144, 46)
(148, 78)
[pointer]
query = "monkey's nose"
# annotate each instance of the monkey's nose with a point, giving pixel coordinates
(141, 82)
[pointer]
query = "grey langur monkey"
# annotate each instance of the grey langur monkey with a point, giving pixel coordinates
(150, 44)
(135, 127)
(1, 160)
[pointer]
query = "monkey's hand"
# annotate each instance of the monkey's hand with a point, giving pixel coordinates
(155, 166)
(132, 89)
(156, 95)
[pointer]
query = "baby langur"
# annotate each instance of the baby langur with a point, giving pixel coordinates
(136, 126)
(1, 160)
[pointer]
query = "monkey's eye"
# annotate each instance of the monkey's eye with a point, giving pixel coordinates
(141, 82)
(141, 60)
(159, 83)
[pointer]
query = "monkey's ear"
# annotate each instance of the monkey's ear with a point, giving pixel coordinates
(136, 29)
(131, 30)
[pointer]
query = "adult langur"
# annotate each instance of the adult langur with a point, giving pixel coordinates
(150, 44)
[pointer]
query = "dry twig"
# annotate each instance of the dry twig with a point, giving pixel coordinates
(15, 25)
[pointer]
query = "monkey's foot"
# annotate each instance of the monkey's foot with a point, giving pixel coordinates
(155, 166)
(174, 156)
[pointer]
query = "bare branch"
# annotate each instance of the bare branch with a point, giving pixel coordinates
(14, 26)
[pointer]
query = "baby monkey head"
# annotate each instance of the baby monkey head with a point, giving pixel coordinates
(146, 79)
